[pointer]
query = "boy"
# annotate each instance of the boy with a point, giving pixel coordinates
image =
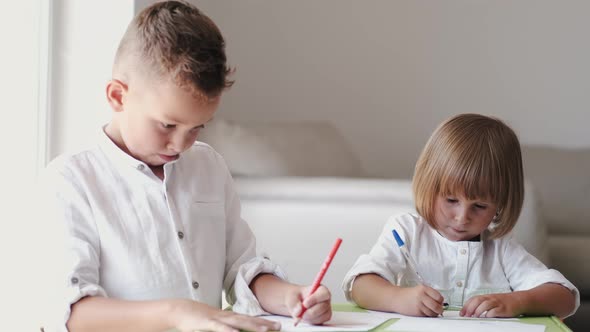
(152, 223)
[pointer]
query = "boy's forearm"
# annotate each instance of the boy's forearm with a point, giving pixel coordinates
(373, 292)
(548, 299)
(270, 290)
(106, 314)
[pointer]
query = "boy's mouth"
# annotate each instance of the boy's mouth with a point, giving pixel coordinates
(168, 158)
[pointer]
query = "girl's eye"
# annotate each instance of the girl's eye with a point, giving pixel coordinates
(481, 207)
(451, 200)
(167, 126)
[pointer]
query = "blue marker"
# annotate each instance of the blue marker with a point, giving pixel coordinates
(409, 260)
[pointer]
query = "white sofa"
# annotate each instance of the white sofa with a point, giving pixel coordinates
(301, 186)
(296, 220)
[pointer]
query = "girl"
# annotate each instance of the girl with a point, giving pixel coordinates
(468, 189)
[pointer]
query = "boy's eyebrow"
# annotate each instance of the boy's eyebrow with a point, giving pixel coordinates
(168, 119)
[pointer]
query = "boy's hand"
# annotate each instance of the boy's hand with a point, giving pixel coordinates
(191, 316)
(420, 300)
(491, 305)
(318, 305)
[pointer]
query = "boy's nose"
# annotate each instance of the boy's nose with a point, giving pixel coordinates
(179, 143)
(175, 145)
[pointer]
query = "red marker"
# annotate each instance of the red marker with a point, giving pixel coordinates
(320, 276)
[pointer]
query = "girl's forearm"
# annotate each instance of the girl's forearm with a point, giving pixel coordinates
(548, 299)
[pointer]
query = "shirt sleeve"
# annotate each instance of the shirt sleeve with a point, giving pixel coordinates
(242, 262)
(381, 260)
(76, 253)
(524, 271)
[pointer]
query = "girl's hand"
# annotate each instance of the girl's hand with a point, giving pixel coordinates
(420, 300)
(191, 316)
(318, 305)
(492, 305)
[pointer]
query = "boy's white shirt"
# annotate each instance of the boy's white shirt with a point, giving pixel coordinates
(458, 270)
(121, 230)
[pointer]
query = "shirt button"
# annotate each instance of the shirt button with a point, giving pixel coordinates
(140, 167)
(74, 280)
(181, 235)
(195, 285)
(463, 251)
(459, 284)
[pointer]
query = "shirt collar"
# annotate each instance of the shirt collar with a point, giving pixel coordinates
(470, 244)
(116, 155)
(121, 158)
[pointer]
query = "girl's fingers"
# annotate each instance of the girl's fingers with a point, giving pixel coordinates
(482, 309)
(470, 306)
(435, 295)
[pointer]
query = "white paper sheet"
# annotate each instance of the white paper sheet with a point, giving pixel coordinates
(455, 315)
(422, 324)
(341, 321)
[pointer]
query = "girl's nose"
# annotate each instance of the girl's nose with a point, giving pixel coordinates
(461, 216)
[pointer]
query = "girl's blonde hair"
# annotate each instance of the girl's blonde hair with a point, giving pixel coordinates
(476, 156)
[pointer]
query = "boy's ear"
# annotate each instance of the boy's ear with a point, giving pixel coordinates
(116, 91)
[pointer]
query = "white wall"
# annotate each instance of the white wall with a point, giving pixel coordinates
(86, 36)
(20, 23)
(387, 72)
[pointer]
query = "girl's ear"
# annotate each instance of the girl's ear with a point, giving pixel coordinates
(116, 91)
(496, 215)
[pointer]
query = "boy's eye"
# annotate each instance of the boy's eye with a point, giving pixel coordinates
(167, 125)
(197, 128)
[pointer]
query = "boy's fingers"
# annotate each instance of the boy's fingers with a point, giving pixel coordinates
(322, 294)
(316, 313)
(293, 303)
(217, 326)
(322, 317)
(296, 310)
(251, 323)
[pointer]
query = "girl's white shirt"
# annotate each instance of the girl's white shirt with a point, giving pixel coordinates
(458, 270)
(126, 234)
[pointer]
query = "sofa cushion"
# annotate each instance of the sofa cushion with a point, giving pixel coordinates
(562, 180)
(282, 149)
(568, 256)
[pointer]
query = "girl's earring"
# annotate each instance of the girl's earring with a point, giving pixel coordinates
(496, 216)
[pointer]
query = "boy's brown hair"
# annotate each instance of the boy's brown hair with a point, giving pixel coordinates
(475, 156)
(175, 40)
